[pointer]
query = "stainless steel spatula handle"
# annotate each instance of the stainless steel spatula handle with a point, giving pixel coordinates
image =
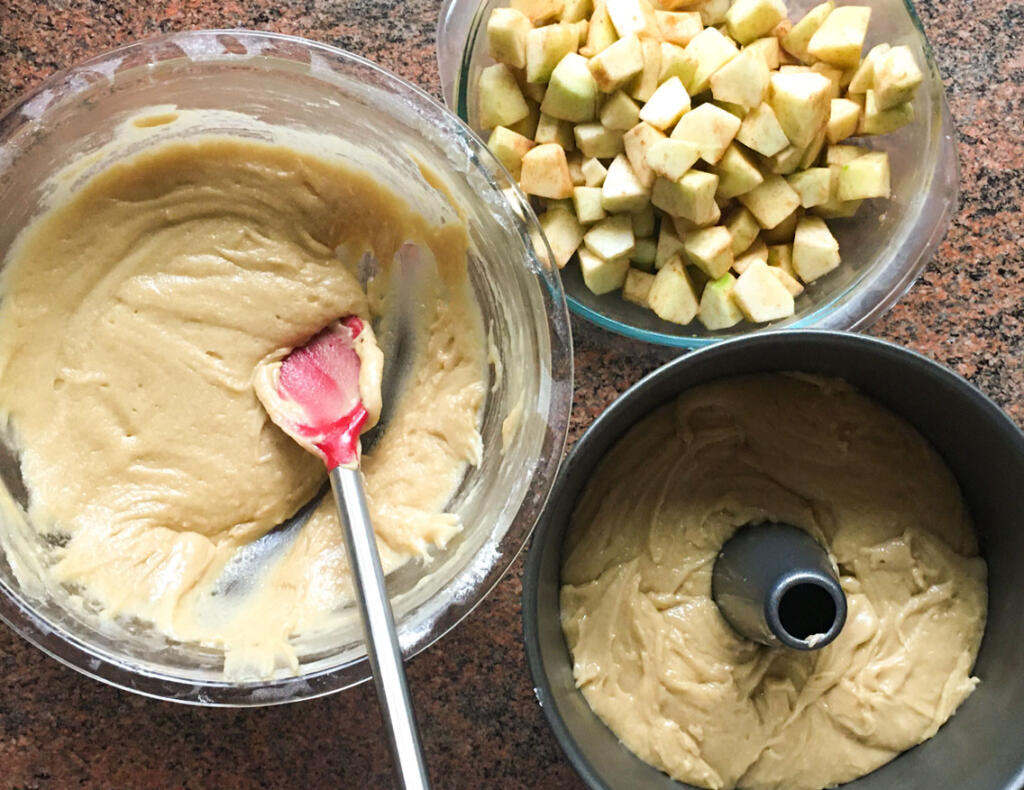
(379, 627)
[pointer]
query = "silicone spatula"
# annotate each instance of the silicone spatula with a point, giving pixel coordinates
(313, 395)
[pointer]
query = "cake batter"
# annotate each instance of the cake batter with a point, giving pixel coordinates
(654, 657)
(133, 315)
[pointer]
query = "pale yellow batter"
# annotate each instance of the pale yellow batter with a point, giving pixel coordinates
(132, 317)
(657, 662)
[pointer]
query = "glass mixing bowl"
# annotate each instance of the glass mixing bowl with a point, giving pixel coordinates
(884, 247)
(392, 127)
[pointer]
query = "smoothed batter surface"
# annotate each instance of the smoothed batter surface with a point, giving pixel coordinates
(132, 317)
(652, 654)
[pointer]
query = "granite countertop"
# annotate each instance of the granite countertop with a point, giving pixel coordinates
(481, 724)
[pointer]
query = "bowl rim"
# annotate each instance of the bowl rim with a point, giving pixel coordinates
(939, 197)
(601, 435)
(71, 651)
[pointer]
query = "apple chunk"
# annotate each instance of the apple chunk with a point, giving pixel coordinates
(672, 158)
(718, 310)
(546, 172)
(539, 11)
(632, 17)
(743, 80)
(815, 249)
(667, 105)
(619, 112)
(678, 27)
(761, 296)
(875, 120)
(611, 238)
(587, 203)
(672, 296)
(594, 141)
(843, 118)
(736, 174)
(865, 177)
(601, 32)
(602, 276)
(692, 197)
(896, 77)
(841, 36)
(709, 50)
(771, 201)
(760, 131)
(750, 19)
(801, 102)
(572, 91)
(796, 40)
(501, 101)
(637, 287)
(812, 185)
(617, 63)
(710, 249)
(637, 142)
(506, 36)
(509, 148)
(564, 233)
(710, 129)
(622, 190)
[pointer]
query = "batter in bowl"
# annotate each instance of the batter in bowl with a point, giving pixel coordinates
(133, 315)
(654, 657)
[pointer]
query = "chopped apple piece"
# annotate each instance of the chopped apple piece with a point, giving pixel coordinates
(576, 10)
(672, 158)
(835, 76)
(611, 238)
(710, 249)
(864, 177)
(758, 252)
(582, 31)
(506, 36)
(632, 17)
(840, 37)
(897, 77)
(593, 172)
(676, 62)
(760, 131)
(622, 190)
(783, 232)
(743, 229)
(736, 174)
(587, 203)
(509, 149)
(812, 185)
(796, 40)
(602, 276)
(712, 12)
(842, 120)
(679, 27)
(545, 48)
(789, 282)
(717, 308)
(691, 197)
(771, 201)
(594, 141)
(863, 78)
(768, 49)
(501, 101)
(801, 102)
(710, 50)
(669, 245)
(710, 128)
(601, 32)
(672, 297)
(617, 63)
(620, 112)
(743, 80)
(879, 121)
(564, 233)
(637, 142)
(815, 249)
(761, 296)
(751, 19)
(667, 105)
(572, 91)
(539, 11)
(643, 254)
(812, 153)
(843, 154)
(545, 172)
(683, 226)
(786, 161)
(643, 221)
(637, 287)
(553, 130)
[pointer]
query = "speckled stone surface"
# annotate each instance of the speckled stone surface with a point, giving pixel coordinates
(481, 725)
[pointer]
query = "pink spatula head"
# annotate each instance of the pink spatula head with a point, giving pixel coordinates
(325, 393)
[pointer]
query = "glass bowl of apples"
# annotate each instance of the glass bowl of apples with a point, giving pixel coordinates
(703, 169)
